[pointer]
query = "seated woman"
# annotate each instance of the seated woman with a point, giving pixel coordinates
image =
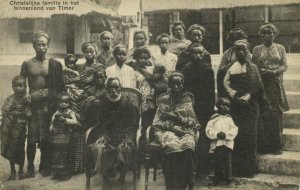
(176, 125)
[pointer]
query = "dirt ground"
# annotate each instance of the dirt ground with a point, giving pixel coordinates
(78, 182)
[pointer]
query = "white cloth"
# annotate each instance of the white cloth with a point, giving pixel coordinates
(168, 60)
(221, 123)
(126, 74)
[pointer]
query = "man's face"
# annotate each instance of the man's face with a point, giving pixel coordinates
(121, 55)
(19, 86)
(114, 90)
(41, 45)
(89, 53)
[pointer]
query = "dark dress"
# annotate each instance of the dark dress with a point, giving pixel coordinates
(199, 79)
(245, 80)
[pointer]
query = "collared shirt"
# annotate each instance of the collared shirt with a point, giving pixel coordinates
(126, 74)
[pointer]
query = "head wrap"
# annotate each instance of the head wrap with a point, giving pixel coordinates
(105, 32)
(271, 26)
(161, 36)
(175, 74)
(40, 34)
(243, 42)
(87, 44)
(198, 27)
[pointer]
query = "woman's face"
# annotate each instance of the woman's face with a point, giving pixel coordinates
(106, 40)
(241, 52)
(40, 45)
(176, 85)
(143, 58)
(89, 53)
(267, 34)
(196, 35)
(178, 31)
(164, 43)
(139, 40)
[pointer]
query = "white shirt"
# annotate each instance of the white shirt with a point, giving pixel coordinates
(126, 74)
(221, 123)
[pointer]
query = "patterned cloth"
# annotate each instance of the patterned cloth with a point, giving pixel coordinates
(126, 74)
(106, 58)
(272, 58)
(168, 60)
(177, 46)
(16, 113)
(61, 139)
(170, 141)
(144, 87)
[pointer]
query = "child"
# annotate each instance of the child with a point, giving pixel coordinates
(16, 114)
(222, 131)
(71, 77)
(63, 123)
(158, 81)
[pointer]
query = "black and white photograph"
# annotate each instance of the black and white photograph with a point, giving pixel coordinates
(150, 94)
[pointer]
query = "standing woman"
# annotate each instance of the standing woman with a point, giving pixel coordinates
(178, 42)
(228, 59)
(196, 33)
(139, 40)
(87, 79)
(105, 56)
(164, 57)
(270, 58)
(244, 86)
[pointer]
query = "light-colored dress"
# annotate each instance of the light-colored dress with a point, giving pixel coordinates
(168, 60)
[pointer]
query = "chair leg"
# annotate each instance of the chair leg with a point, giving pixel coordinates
(154, 167)
(87, 183)
(147, 166)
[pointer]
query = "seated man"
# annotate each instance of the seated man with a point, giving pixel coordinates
(115, 133)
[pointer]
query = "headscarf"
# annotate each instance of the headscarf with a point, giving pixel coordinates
(198, 27)
(105, 32)
(40, 34)
(243, 42)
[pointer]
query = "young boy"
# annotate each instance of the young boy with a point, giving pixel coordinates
(16, 113)
(221, 130)
(63, 123)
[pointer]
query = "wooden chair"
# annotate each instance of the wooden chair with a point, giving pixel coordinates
(135, 97)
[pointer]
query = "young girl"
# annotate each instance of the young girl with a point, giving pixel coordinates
(105, 55)
(62, 125)
(16, 113)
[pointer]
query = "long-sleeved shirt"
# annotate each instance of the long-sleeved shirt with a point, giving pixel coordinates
(126, 74)
(221, 123)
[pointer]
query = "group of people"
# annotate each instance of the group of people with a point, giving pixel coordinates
(177, 87)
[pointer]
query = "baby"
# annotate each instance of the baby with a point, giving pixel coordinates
(221, 130)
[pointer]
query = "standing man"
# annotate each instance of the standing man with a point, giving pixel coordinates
(45, 80)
